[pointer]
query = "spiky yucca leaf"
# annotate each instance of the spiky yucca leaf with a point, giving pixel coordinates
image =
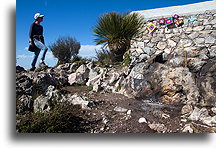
(117, 28)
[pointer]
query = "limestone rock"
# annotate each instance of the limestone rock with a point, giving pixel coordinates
(193, 35)
(185, 43)
(198, 28)
(212, 51)
(187, 129)
(188, 30)
(171, 43)
(160, 128)
(199, 40)
(213, 22)
(142, 120)
(149, 51)
(206, 83)
(45, 101)
(19, 69)
(42, 103)
(79, 100)
(44, 80)
(97, 86)
(143, 57)
(73, 67)
(140, 45)
(203, 116)
(120, 109)
(169, 35)
(214, 110)
(24, 103)
(83, 70)
(24, 85)
(195, 64)
(80, 76)
(177, 61)
(210, 39)
(187, 109)
(65, 66)
(161, 45)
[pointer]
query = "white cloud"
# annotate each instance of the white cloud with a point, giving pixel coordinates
(89, 50)
(85, 51)
(25, 56)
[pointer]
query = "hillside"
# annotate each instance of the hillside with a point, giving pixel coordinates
(168, 85)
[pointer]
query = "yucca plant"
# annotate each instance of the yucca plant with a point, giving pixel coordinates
(115, 30)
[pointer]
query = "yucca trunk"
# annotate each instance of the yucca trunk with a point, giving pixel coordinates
(118, 49)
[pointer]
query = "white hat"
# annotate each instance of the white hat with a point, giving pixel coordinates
(37, 15)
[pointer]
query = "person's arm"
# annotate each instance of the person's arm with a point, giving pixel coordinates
(42, 40)
(31, 35)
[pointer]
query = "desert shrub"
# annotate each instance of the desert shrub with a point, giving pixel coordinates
(63, 118)
(126, 61)
(104, 57)
(90, 88)
(65, 49)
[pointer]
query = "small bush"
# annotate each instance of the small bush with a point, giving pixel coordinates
(90, 88)
(126, 61)
(65, 49)
(63, 118)
(104, 57)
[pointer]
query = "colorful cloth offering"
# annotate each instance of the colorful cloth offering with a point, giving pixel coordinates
(151, 28)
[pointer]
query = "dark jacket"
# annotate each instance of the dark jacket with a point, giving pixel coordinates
(36, 31)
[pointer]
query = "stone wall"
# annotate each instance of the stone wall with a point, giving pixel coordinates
(199, 34)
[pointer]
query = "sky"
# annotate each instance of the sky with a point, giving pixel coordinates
(74, 18)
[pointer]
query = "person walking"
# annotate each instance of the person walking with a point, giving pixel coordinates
(36, 40)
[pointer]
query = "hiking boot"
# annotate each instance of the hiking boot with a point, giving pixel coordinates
(42, 64)
(32, 69)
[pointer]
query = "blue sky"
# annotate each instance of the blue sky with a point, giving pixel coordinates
(74, 18)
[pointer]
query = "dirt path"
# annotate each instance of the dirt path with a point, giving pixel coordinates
(115, 113)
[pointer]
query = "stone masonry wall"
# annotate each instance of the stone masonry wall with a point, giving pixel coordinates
(191, 35)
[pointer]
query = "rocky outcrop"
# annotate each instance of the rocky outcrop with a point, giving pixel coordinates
(173, 68)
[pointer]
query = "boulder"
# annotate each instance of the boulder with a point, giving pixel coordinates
(24, 104)
(43, 80)
(97, 86)
(187, 129)
(84, 71)
(79, 100)
(187, 109)
(198, 28)
(149, 51)
(42, 103)
(193, 35)
(160, 128)
(24, 85)
(210, 39)
(195, 64)
(143, 57)
(65, 66)
(120, 109)
(45, 101)
(80, 76)
(161, 45)
(19, 69)
(206, 83)
(212, 51)
(142, 120)
(171, 43)
(73, 67)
